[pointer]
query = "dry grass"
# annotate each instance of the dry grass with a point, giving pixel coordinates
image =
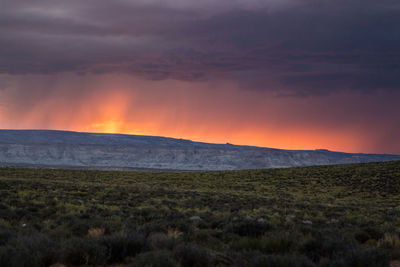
(390, 241)
(174, 233)
(96, 232)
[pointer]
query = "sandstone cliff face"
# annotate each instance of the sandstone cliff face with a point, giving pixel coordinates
(87, 150)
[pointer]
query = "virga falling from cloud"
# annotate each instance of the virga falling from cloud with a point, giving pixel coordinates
(290, 74)
(203, 111)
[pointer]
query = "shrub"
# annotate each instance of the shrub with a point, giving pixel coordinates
(222, 259)
(5, 236)
(250, 228)
(392, 243)
(154, 259)
(149, 228)
(33, 250)
(374, 232)
(373, 257)
(280, 243)
(161, 241)
(248, 244)
(120, 246)
(80, 228)
(190, 255)
(279, 261)
(332, 263)
(324, 247)
(41, 249)
(79, 251)
(7, 255)
(362, 236)
(389, 241)
(4, 223)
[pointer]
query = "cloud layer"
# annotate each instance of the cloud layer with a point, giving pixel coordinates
(306, 47)
(292, 74)
(212, 111)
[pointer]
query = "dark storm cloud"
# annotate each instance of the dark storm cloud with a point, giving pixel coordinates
(305, 47)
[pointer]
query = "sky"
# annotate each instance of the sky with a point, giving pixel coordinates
(292, 74)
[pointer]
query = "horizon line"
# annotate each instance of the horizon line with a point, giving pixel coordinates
(194, 141)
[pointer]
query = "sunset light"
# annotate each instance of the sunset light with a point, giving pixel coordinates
(182, 133)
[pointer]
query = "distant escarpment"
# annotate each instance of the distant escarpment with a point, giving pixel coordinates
(92, 150)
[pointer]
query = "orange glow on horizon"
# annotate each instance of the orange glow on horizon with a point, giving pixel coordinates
(221, 113)
(258, 137)
(263, 137)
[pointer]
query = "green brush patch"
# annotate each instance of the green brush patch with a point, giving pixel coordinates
(342, 215)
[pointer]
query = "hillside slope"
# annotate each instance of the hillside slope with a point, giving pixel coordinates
(93, 150)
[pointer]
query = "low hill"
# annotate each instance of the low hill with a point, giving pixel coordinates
(94, 150)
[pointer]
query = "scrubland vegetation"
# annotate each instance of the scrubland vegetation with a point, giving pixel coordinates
(344, 215)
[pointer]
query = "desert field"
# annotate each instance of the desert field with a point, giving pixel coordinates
(341, 215)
